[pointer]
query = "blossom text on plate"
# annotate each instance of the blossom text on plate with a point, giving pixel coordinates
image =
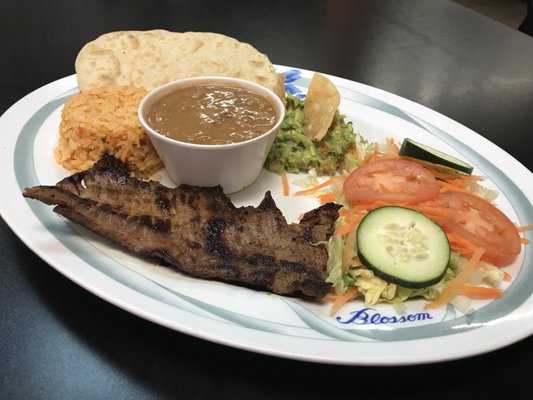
(369, 315)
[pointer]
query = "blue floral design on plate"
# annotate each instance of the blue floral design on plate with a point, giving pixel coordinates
(291, 76)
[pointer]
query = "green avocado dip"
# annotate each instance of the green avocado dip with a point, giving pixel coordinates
(294, 152)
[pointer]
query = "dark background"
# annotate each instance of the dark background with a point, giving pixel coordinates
(59, 341)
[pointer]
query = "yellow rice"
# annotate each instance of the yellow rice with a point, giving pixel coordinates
(102, 121)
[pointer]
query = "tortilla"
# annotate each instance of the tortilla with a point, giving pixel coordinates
(148, 59)
(321, 103)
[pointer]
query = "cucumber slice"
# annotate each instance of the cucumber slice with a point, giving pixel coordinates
(413, 149)
(403, 246)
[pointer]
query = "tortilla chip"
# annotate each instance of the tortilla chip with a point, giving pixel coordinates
(280, 87)
(321, 104)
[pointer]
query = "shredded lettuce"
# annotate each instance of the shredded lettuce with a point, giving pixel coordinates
(375, 289)
(334, 264)
(308, 181)
(487, 274)
(462, 303)
(363, 150)
(486, 193)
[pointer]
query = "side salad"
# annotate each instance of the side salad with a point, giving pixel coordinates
(415, 222)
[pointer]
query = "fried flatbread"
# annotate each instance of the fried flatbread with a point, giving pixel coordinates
(151, 58)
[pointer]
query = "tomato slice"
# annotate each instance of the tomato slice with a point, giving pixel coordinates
(391, 180)
(483, 225)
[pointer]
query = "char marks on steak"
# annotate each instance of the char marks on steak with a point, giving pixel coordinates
(197, 229)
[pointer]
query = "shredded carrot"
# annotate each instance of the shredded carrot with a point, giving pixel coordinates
(349, 226)
(356, 262)
(393, 145)
(432, 210)
(456, 285)
(348, 250)
(342, 299)
(355, 210)
(507, 276)
(327, 197)
(481, 292)
(330, 296)
(437, 169)
(351, 220)
(285, 184)
(525, 228)
(390, 155)
(460, 244)
(351, 153)
(524, 240)
(440, 170)
(375, 154)
(345, 211)
(450, 187)
(314, 188)
(346, 228)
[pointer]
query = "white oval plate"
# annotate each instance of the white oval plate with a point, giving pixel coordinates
(258, 321)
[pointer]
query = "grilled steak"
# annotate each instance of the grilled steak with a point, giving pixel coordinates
(198, 230)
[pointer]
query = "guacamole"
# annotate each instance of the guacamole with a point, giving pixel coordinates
(294, 152)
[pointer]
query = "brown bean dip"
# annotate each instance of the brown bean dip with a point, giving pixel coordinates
(212, 114)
